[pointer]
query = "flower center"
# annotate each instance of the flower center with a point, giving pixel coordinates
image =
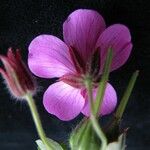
(83, 69)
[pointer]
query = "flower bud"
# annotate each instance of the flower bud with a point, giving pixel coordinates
(16, 75)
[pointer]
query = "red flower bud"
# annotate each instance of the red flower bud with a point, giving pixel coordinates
(16, 75)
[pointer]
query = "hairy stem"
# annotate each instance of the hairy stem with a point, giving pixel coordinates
(37, 121)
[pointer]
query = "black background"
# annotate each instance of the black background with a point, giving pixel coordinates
(22, 20)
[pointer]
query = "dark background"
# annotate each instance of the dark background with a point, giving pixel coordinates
(22, 20)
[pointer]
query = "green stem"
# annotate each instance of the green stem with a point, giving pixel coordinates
(103, 82)
(99, 132)
(126, 96)
(37, 121)
(96, 126)
(88, 85)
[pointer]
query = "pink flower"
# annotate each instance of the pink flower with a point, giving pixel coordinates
(16, 75)
(83, 52)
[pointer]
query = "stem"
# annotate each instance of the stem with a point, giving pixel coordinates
(99, 132)
(88, 85)
(37, 121)
(95, 124)
(95, 107)
(126, 96)
(103, 82)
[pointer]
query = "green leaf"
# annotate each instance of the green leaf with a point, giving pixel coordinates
(54, 144)
(117, 145)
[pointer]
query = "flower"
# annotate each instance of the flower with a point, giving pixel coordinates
(83, 52)
(16, 75)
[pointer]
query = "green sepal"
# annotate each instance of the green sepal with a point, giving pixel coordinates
(54, 144)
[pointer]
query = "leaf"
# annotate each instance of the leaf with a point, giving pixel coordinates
(54, 144)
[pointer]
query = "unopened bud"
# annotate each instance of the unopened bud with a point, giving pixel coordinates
(16, 75)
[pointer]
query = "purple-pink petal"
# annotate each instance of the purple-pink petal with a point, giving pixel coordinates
(118, 38)
(82, 29)
(63, 101)
(49, 57)
(109, 101)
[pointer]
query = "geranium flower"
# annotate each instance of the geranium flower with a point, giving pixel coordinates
(83, 52)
